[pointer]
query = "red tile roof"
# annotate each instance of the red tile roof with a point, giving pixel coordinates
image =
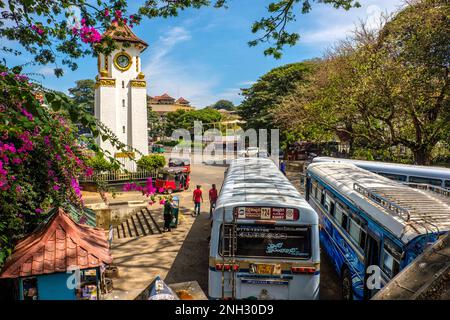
(57, 245)
(182, 100)
(165, 96)
(123, 33)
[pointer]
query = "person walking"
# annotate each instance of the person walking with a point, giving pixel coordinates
(168, 214)
(197, 197)
(212, 199)
(283, 167)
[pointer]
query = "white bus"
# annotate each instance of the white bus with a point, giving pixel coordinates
(264, 237)
(406, 173)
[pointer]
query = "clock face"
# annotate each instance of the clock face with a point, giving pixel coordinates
(123, 61)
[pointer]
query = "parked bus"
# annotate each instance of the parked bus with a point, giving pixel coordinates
(368, 220)
(264, 237)
(435, 176)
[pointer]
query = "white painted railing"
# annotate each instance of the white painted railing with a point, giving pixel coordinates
(119, 176)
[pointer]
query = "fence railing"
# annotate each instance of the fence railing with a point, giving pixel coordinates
(119, 176)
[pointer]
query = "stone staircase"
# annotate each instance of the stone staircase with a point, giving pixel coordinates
(141, 223)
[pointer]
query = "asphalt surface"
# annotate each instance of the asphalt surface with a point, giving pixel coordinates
(191, 262)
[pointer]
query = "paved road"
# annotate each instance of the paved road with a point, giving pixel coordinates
(191, 262)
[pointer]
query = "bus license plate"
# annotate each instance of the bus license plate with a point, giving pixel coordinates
(263, 268)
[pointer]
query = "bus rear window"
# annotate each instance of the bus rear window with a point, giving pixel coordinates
(270, 241)
(396, 177)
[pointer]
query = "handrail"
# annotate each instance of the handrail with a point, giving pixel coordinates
(118, 176)
(385, 203)
(429, 187)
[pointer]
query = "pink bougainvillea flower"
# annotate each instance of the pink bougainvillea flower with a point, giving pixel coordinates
(89, 172)
(38, 210)
(56, 187)
(162, 201)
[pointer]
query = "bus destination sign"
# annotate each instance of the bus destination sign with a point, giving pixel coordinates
(266, 213)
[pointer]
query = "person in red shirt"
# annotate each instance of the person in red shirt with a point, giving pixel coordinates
(212, 199)
(197, 198)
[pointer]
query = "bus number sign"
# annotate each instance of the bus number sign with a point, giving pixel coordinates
(266, 213)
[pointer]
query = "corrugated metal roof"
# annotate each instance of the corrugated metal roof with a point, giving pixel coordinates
(258, 181)
(423, 211)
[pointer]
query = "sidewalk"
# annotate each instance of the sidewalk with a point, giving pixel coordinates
(141, 259)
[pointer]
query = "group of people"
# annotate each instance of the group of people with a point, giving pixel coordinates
(197, 198)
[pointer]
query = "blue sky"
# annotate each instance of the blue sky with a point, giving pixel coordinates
(203, 54)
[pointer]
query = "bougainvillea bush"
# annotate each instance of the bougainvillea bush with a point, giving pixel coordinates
(40, 159)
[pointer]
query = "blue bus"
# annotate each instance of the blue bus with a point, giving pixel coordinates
(368, 220)
(406, 173)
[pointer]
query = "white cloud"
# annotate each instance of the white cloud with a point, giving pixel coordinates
(331, 25)
(46, 71)
(195, 82)
(246, 83)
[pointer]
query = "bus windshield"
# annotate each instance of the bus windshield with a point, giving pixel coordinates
(272, 241)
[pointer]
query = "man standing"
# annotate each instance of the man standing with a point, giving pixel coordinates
(168, 214)
(197, 197)
(212, 199)
(283, 167)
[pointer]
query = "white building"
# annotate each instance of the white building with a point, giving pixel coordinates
(120, 93)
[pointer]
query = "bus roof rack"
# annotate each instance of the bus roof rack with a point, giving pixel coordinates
(384, 202)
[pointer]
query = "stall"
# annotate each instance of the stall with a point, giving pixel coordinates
(61, 260)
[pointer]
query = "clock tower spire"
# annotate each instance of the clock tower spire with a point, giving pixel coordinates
(120, 92)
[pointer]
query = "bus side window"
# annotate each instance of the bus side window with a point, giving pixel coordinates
(357, 232)
(338, 213)
(341, 216)
(434, 182)
(395, 177)
(327, 202)
(447, 184)
(332, 208)
(344, 223)
(322, 197)
(390, 260)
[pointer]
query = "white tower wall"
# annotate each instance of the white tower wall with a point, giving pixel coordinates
(121, 102)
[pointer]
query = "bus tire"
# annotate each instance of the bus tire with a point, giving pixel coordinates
(346, 285)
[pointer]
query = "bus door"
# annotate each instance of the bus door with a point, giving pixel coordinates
(372, 258)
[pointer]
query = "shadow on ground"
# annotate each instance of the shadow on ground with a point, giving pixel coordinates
(191, 262)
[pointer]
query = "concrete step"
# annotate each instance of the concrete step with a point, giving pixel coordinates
(139, 224)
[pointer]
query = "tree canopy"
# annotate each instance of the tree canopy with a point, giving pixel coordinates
(223, 105)
(268, 91)
(54, 34)
(383, 88)
(83, 94)
(182, 119)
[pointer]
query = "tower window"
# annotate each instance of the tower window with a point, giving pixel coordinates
(123, 84)
(123, 103)
(123, 129)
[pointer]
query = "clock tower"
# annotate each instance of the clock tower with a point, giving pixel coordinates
(121, 94)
